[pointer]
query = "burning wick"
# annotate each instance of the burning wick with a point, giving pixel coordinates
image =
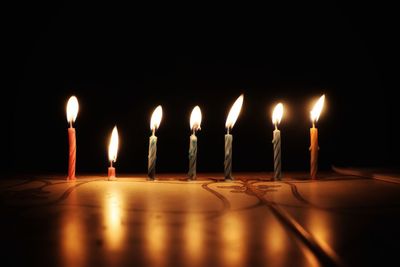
(112, 153)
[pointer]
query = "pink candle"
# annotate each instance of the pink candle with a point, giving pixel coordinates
(315, 112)
(72, 112)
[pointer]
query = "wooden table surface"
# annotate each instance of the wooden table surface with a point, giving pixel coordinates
(341, 219)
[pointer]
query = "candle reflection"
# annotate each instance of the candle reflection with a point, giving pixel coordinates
(319, 226)
(310, 259)
(114, 231)
(276, 239)
(155, 238)
(194, 239)
(72, 236)
(233, 240)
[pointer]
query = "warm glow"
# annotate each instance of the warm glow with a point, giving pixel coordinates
(233, 240)
(156, 118)
(195, 119)
(73, 235)
(72, 109)
(156, 239)
(113, 146)
(234, 112)
(277, 114)
(316, 111)
(194, 249)
(113, 212)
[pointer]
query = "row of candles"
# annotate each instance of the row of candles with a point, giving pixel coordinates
(195, 123)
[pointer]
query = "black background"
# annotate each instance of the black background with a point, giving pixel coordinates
(122, 60)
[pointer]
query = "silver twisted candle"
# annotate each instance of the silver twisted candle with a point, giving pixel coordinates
(154, 124)
(195, 121)
(228, 157)
(276, 141)
(277, 154)
(230, 121)
(151, 170)
(192, 157)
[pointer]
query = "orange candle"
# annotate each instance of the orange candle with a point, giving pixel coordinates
(72, 112)
(315, 112)
(314, 152)
(112, 153)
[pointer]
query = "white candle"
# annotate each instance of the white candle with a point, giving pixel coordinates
(154, 124)
(230, 121)
(195, 122)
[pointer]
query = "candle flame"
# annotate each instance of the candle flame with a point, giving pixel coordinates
(113, 146)
(316, 111)
(156, 118)
(72, 109)
(234, 112)
(277, 114)
(195, 118)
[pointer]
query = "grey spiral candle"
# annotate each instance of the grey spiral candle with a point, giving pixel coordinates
(192, 157)
(195, 122)
(230, 121)
(276, 141)
(154, 124)
(228, 157)
(151, 170)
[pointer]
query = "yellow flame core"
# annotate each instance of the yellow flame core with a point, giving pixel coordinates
(234, 112)
(156, 118)
(72, 109)
(195, 119)
(277, 114)
(316, 111)
(113, 146)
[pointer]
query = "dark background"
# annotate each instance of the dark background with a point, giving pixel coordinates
(122, 60)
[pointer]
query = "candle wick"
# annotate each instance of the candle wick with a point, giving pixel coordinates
(111, 163)
(313, 124)
(276, 126)
(70, 124)
(227, 131)
(153, 131)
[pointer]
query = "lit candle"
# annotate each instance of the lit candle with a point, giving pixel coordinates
(230, 121)
(276, 141)
(112, 153)
(195, 122)
(315, 112)
(72, 112)
(154, 124)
